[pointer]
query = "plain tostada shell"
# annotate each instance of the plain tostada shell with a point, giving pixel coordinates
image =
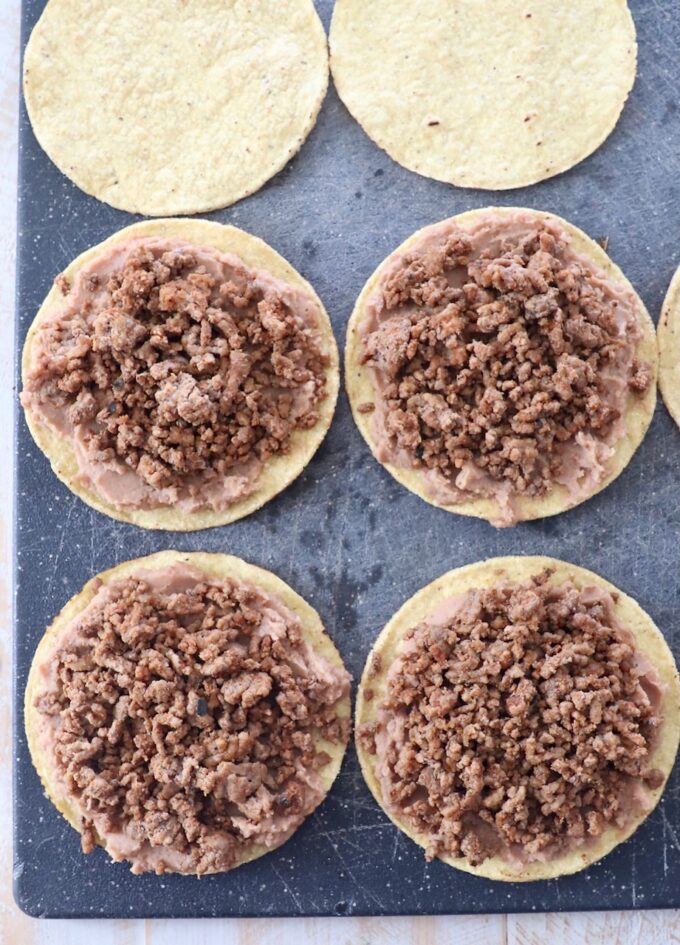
(490, 95)
(174, 107)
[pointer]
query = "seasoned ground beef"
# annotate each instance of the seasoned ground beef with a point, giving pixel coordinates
(181, 374)
(518, 725)
(178, 720)
(497, 357)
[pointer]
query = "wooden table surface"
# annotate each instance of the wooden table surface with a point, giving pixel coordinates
(646, 928)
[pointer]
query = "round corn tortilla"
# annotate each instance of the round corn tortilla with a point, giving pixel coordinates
(220, 566)
(174, 107)
(639, 412)
(649, 640)
(490, 95)
(280, 470)
(669, 349)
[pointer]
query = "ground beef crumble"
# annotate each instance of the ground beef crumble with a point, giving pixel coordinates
(181, 374)
(180, 721)
(496, 357)
(522, 724)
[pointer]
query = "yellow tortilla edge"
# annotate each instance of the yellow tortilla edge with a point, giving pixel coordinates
(668, 337)
(213, 565)
(281, 469)
(639, 412)
(516, 569)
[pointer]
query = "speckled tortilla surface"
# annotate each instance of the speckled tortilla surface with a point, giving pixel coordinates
(493, 95)
(668, 336)
(174, 107)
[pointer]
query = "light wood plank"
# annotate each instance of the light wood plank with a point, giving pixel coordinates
(596, 928)
(462, 930)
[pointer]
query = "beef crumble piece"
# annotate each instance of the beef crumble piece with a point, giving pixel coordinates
(180, 721)
(178, 374)
(523, 723)
(496, 359)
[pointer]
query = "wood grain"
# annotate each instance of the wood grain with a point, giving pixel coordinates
(597, 928)
(653, 928)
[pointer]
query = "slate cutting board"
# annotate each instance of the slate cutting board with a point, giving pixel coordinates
(345, 535)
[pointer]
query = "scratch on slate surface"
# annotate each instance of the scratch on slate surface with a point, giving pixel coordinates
(395, 848)
(42, 843)
(633, 878)
(327, 835)
(56, 557)
(348, 831)
(292, 538)
(66, 248)
(288, 889)
(670, 830)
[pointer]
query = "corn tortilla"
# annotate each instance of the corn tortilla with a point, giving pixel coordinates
(281, 469)
(490, 95)
(669, 349)
(649, 640)
(639, 412)
(174, 107)
(217, 566)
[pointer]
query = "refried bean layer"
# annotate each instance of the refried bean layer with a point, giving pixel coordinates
(182, 715)
(178, 372)
(518, 722)
(502, 361)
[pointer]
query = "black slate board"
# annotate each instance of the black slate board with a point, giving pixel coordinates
(345, 535)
